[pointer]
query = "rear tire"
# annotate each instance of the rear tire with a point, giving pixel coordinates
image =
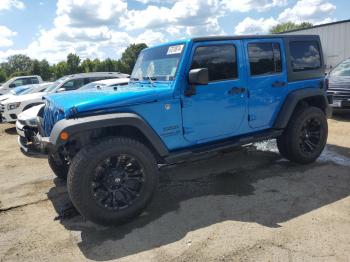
(112, 181)
(60, 168)
(305, 136)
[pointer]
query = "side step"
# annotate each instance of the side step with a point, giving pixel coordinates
(182, 155)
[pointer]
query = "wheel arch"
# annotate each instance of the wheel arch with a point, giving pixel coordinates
(301, 97)
(93, 128)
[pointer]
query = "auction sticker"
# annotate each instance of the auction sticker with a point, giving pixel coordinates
(175, 49)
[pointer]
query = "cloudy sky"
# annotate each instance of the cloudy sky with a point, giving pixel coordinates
(103, 28)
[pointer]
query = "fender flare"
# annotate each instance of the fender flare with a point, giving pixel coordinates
(76, 125)
(294, 98)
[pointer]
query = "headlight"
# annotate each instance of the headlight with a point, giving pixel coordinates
(31, 122)
(13, 106)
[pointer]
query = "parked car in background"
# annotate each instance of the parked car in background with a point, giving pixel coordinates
(26, 124)
(11, 108)
(185, 98)
(22, 90)
(19, 81)
(339, 85)
(105, 85)
(15, 91)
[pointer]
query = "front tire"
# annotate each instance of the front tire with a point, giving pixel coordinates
(305, 136)
(112, 181)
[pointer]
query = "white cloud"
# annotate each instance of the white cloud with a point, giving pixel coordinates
(89, 13)
(196, 17)
(6, 36)
(313, 11)
(9, 4)
(248, 5)
(252, 26)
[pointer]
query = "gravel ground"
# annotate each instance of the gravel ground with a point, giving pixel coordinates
(248, 205)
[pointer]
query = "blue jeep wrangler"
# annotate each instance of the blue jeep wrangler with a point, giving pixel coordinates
(185, 98)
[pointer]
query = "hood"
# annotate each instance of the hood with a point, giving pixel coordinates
(77, 102)
(5, 97)
(30, 113)
(23, 98)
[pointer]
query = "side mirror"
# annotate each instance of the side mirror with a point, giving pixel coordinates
(199, 76)
(61, 89)
(12, 85)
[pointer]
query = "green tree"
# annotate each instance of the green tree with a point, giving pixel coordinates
(19, 64)
(280, 28)
(35, 70)
(73, 62)
(45, 70)
(2, 76)
(87, 66)
(108, 65)
(97, 65)
(60, 69)
(130, 55)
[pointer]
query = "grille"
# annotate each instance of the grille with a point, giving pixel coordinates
(339, 88)
(339, 93)
(52, 115)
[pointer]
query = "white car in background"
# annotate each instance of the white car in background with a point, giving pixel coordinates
(19, 81)
(23, 90)
(11, 108)
(26, 124)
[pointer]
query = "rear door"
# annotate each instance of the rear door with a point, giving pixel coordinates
(267, 80)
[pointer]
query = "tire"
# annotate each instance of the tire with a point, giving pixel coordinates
(305, 136)
(60, 169)
(93, 186)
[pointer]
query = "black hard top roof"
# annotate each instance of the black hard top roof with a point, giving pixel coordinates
(240, 37)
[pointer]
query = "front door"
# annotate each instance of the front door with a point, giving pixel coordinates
(216, 110)
(267, 80)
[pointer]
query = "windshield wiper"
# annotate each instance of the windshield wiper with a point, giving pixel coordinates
(151, 78)
(134, 79)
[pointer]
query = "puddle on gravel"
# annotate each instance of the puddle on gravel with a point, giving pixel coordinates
(328, 154)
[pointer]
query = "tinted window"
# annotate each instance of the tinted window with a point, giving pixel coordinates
(74, 84)
(220, 61)
(19, 82)
(34, 80)
(264, 58)
(305, 55)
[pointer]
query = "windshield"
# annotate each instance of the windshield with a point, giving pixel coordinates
(55, 84)
(343, 69)
(158, 63)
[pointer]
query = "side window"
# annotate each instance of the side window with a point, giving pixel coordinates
(264, 58)
(18, 82)
(73, 84)
(220, 60)
(305, 55)
(34, 80)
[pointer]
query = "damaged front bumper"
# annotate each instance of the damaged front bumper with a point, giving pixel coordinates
(31, 142)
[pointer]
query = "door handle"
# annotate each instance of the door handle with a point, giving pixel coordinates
(236, 90)
(279, 84)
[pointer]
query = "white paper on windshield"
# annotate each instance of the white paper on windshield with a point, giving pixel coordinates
(175, 49)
